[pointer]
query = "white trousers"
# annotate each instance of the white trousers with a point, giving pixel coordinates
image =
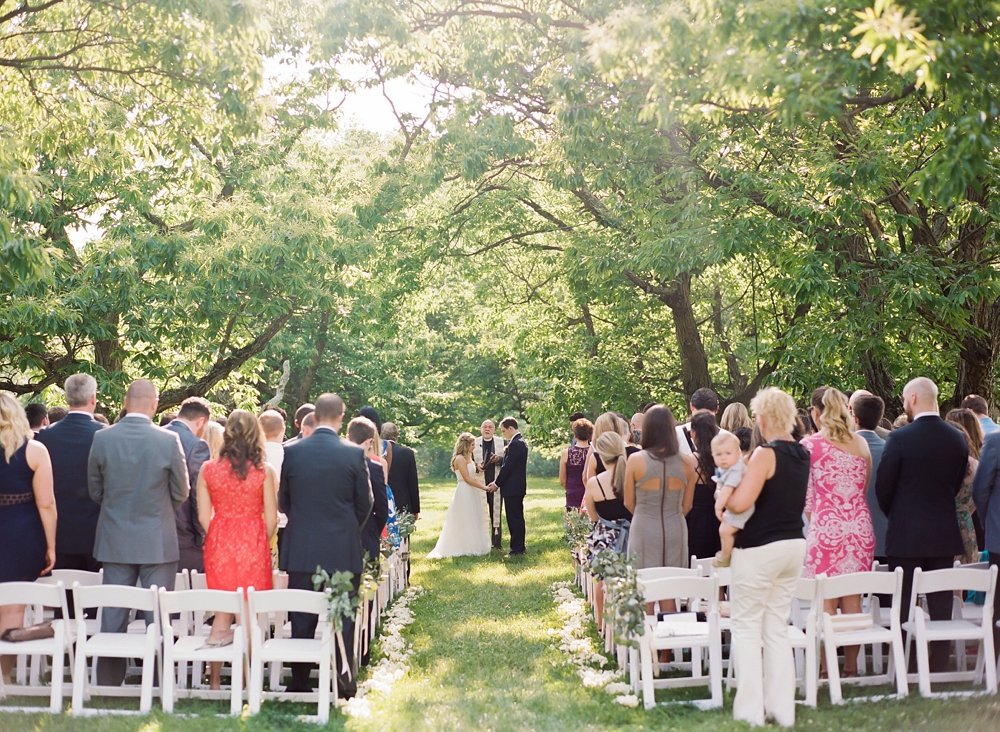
(763, 582)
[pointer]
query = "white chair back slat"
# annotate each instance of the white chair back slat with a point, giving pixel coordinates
(947, 580)
(270, 601)
(668, 588)
(182, 601)
(858, 583)
(69, 576)
(33, 593)
(197, 580)
(135, 598)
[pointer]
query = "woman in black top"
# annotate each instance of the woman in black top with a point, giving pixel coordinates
(703, 525)
(767, 563)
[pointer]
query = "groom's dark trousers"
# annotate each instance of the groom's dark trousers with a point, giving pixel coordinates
(513, 484)
(304, 626)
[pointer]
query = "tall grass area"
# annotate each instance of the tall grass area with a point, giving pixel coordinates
(482, 659)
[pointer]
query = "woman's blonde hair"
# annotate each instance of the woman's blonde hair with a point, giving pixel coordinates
(735, 416)
(607, 422)
(776, 407)
(463, 447)
(833, 414)
(214, 436)
(611, 447)
(14, 427)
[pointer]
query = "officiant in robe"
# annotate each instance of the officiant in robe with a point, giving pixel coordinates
(487, 454)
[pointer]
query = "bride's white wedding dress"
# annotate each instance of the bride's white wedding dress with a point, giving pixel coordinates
(466, 525)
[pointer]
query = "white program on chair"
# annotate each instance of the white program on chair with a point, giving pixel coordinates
(924, 631)
(863, 629)
(187, 647)
(45, 595)
(293, 650)
(681, 632)
(115, 645)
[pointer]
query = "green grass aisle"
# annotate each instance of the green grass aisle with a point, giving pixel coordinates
(482, 660)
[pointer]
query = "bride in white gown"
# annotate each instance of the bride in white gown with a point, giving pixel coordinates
(466, 526)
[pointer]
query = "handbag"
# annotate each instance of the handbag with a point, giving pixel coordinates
(33, 632)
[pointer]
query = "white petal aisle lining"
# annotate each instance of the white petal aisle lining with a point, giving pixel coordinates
(392, 666)
(579, 649)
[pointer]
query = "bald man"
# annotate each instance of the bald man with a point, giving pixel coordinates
(138, 475)
(922, 469)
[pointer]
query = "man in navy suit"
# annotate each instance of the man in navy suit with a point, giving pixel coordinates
(68, 442)
(189, 424)
(512, 481)
(868, 410)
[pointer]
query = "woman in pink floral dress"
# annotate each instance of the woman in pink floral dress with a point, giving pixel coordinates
(841, 538)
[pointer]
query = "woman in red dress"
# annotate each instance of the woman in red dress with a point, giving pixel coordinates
(241, 489)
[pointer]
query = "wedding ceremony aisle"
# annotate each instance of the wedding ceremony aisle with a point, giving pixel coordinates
(483, 659)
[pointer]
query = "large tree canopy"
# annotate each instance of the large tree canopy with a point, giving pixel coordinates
(602, 205)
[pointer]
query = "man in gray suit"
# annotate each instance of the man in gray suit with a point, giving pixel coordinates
(137, 473)
(189, 425)
(868, 410)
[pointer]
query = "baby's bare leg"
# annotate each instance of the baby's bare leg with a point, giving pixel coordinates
(727, 534)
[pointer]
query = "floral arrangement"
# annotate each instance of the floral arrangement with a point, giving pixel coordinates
(626, 608)
(577, 527)
(371, 577)
(338, 588)
(572, 640)
(396, 651)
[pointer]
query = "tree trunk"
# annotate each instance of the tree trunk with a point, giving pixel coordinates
(108, 351)
(977, 363)
(310, 375)
(881, 383)
(694, 362)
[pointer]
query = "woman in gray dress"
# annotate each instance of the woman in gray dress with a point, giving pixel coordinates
(659, 490)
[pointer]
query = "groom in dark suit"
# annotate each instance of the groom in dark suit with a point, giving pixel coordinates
(512, 481)
(327, 495)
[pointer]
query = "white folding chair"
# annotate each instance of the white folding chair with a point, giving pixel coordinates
(803, 633)
(925, 631)
(115, 645)
(192, 647)
(682, 631)
(44, 595)
(862, 628)
(293, 650)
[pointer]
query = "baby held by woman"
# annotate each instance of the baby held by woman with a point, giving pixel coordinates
(728, 474)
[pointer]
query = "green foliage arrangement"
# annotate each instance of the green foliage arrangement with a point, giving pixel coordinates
(406, 523)
(577, 527)
(625, 609)
(338, 589)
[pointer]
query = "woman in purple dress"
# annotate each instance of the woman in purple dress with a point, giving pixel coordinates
(572, 462)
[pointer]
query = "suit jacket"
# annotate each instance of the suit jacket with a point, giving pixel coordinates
(986, 483)
(371, 532)
(403, 478)
(68, 442)
(190, 535)
(513, 476)
(327, 495)
(879, 521)
(138, 474)
(922, 469)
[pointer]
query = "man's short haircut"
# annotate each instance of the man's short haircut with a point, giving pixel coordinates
(977, 404)
(328, 408)
(390, 432)
(575, 416)
(272, 424)
(194, 407)
(360, 429)
(36, 414)
(167, 417)
(302, 411)
(282, 412)
(309, 421)
(80, 389)
(507, 423)
(57, 413)
(868, 409)
(705, 398)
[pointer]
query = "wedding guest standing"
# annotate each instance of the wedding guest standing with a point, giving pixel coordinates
(361, 432)
(403, 481)
(841, 539)
(967, 423)
(137, 474)
(56, 414)
(214, 435)
(867, 411)
(607, 422)
(512, 480)
(571, 464)
(487, 452)
(734, 417)
(659, 490)
(879, 430)
(984, 486)
(767, 562)
(702, 523)
(27, 511)
(922, 470)
(327, 495)
(189, 426)
(237, 509)
(981, 409)
(38, 417)
(300, 414)
(703, 400)
(68, 442)
(272, 425)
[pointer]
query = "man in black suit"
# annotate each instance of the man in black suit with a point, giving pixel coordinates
(300, 414)
(402, 471)
(68, 442)
(327, 495)
(189, 424)
(512, 481)
(921, 471)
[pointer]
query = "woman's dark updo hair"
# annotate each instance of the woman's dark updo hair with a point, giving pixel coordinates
(703, 430)
(243, 443)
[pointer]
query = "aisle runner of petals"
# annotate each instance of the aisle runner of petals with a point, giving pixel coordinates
(396, 651)
(579, 648)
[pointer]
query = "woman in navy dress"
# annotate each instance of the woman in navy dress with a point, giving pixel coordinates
(27, 510)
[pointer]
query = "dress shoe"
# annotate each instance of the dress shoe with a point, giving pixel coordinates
(513, 553)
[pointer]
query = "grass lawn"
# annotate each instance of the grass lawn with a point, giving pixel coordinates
(482, 660)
